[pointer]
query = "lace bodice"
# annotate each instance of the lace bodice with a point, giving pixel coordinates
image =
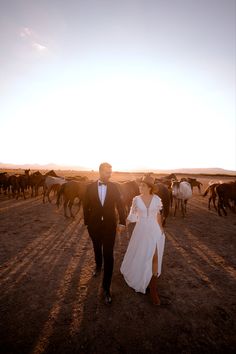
(139, 210)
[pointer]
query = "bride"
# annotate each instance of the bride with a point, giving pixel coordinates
(142, 262)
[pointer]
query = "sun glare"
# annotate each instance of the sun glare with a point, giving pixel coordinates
(134, 122)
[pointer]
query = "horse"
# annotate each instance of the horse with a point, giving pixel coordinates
(128, 190)
(18, 183)
(4, 182)
(51, 173)
(162, 191)
(52, 183)
(71, 190)
(226, 192)
(194, 183)
(181, 192)
(36, 180)
(23, 183)
(211, 189)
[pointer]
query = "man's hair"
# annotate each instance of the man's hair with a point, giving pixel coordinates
(104, 165)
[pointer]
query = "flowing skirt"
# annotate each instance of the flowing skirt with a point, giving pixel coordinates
(137, 263)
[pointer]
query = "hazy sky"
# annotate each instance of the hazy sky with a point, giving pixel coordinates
(137, 83)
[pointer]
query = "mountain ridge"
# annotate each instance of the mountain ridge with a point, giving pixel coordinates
(52, 166)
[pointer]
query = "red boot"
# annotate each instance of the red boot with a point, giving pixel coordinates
(153, 291)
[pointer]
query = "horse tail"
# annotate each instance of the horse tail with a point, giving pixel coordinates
(206, 191)
(60, 193)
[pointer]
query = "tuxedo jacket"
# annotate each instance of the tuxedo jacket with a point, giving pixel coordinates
(98, 216)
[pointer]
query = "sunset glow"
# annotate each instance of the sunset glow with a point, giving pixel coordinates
(138, 93)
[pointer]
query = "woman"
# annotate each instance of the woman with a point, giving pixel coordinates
(143, 259)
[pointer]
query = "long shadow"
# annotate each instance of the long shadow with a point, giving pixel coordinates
(31, 309)
(44, 244)
(25, 231)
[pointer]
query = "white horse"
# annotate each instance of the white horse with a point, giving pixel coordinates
(52, 184)
(181, 192)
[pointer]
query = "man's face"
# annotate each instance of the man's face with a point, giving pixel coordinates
(105, 174)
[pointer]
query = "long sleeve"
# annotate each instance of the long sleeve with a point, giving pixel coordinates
(133, 214)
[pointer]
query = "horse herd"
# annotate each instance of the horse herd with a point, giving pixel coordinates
(173, 193)
(224, 193)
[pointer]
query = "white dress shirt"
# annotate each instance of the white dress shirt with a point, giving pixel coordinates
(102, 190)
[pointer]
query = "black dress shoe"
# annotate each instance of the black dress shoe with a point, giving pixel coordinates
(108, 299)
(96, 272)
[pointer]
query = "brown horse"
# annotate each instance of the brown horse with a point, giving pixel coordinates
(51, 184)
(226, 193)
(71, 190)
(211, 189)
(19, 184)
(128, 190)
(4, 182)
(163, 192)
(36, 180)
(194, 183)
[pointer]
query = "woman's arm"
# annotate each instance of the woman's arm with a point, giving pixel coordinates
(133, 216)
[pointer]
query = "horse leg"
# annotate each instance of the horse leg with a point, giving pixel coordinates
(44, 194)
(182, 207)
(48, 194)
(171, 199)
(79, 206)
(199, 187)
(209, 203)
(71, 202)
(65, 207)
(23, 191)
(224, 205)
(214, 202)
(175, 205)
(219, 206)
(185, 206)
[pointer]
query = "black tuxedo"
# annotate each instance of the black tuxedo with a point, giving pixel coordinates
(102, 222)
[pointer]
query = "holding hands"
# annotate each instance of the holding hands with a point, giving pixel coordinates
(120, 228)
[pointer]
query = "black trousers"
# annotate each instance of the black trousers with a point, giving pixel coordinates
(103, 245)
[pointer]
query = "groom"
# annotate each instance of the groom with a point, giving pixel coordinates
(101, 200)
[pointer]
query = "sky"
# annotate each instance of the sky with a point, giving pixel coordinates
(141, 84)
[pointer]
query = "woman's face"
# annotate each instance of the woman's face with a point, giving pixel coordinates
(144, 188)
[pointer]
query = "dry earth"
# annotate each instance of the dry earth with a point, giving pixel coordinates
(49, 302)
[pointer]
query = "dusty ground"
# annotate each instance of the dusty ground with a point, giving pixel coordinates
(49, 303)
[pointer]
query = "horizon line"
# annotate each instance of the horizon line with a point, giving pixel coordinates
(89, 169)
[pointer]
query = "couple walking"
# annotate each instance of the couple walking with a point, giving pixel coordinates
(142, 262)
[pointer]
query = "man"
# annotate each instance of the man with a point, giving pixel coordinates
(101, 201)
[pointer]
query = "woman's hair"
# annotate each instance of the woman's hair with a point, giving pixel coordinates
(149, 181)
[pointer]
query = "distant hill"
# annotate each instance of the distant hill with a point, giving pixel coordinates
(197, 171)
(52, 166)
(210, 171)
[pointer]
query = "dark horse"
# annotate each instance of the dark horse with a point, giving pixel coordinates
(128, 190)
(211, 189)
(226, 193)
(71, 190)
(163, 192)
(194, 183)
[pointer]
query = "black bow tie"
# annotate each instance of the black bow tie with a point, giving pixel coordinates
(102, 184)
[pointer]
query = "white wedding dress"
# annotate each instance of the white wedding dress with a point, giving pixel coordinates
(146, 237)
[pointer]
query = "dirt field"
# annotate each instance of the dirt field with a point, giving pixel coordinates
(49, 302)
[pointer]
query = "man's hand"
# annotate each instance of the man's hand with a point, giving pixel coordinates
(120, 228)
(127, 222)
